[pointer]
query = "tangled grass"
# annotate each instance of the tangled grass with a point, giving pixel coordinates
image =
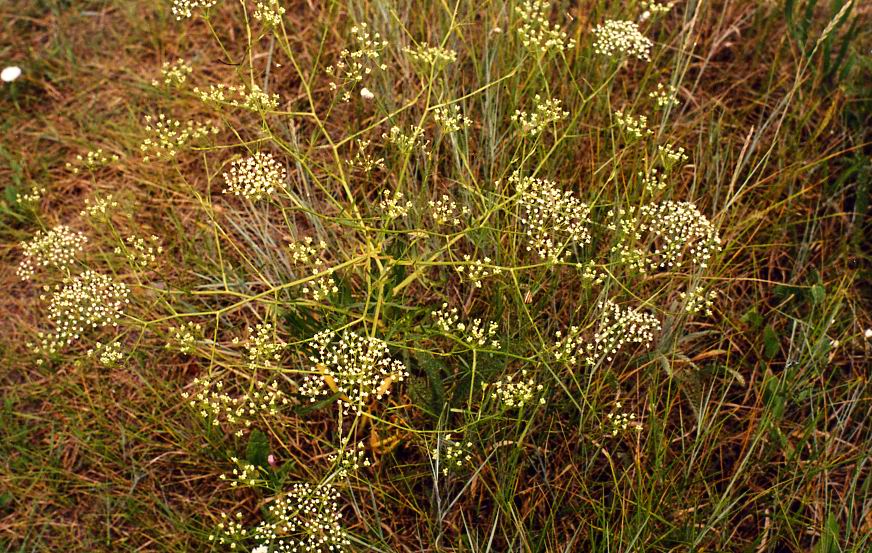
(385, 275)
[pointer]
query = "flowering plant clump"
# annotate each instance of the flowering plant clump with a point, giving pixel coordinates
(304, 253)
(554, 219)
(263, 349)
(665, 96)
(358, 368)
(617, 327)
(108, 355)
(243, 473)
(616, 38)
(406, 142)
(451, 456)
(270, 12)
(512, 393)
(349, 460)
(99, 207)
(635, 127)
(545, 113)
(436, 57)
(91, 161)
(55, 248)
(252, 97)
(255, 177)
(306, 518)
(478, 270)
(536, 32)
(699, 300)
(475, 333)
(356, 65)
(139, 252)
(618, 422)
(450, 119)
(393, 206)
(167, 136)
(185, 337)
(183, 9)
(174, 74)
(676, 229)
(89, 301)
(237, 412)
(445, 211)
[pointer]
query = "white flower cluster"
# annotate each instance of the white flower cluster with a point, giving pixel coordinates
(666, 96)
(173, 74)
(185, 337)
(139, 252)
(406, 142)
(635, 127)
(91, 161)
(515, 394)
(31, 197)
(450, 119)
(478, 270)
(392, 206)
(306, 519)
(445, 212)
(255, 177)
(239, 412)
(616, 38)
(270, 12)
(654, 181)
(168, 136)
(656, 8)
(349, 460)
(671, 155)
(673, 227)
(99, 208)
(230, 532)
(185, 8)
(57, 247)
(475, 333)
(436, 57)
(544, 114)
(355, 65)
(252, 97)
(304, 253)
(263, 349)
(616, 327)
(244, 473)
(358, 368)
(107, 354)
(554, 219)
(363, 160)
(536, 32)
(697, 300)
(620, 422)
(453, 455)
(89, 301)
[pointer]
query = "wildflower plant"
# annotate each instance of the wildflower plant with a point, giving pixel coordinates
(173, 74)
(619, 422)
(56, 248)
(305, 518)
(236, 412)
(619, 39)
(91, 161)
(357, 368)
(81, 304)
(435, 57)
(516, 391)
(476, 333)
(185, 9)
(545, 114)
(450, 120)
(165, 136)
(536, 32)
(553, 219)
(356, 65)
(451, 457)
(255, 177)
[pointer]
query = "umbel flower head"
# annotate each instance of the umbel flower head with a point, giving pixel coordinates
(56, 248)
(306, 519)
(616, 38)
(358, 368)
(255, 177)
(86, 302)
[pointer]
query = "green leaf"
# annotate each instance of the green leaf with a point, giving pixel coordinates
(771, 344)
(257, 450)
(818, 293)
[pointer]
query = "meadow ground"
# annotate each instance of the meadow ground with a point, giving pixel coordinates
(391, 275)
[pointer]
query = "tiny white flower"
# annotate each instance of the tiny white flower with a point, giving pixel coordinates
(366, 94)
(868, 333)
(10, 73)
